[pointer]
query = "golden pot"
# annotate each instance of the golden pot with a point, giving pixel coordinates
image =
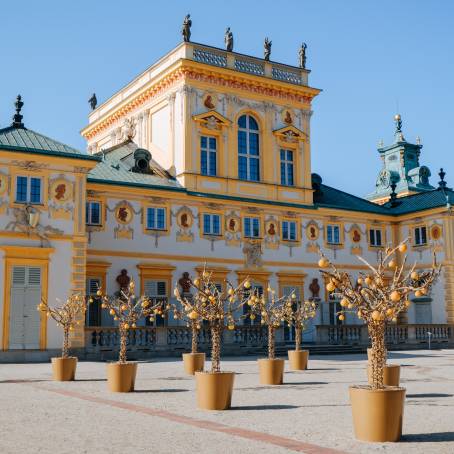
(193, 362)
(214, 390)
(391, 375)
(64, 369)
(271, 371)
(121, 377)
(298, 359)
(377, 413)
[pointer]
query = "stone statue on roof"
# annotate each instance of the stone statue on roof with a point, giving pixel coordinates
(186, 28)
(228, 40)
(93, 101)
(267, 49)
(302, 56)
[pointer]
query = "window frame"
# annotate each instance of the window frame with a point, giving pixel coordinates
(285, 163)
(28, 189)
(156, 215)
(251, 226)
(337, 225)
(376, 230)
(88, 219)
(290, 221)
(211, 216)
(247, 155)
(420, 228)
(209, 155)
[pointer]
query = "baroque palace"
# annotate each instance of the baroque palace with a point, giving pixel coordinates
(204, 157)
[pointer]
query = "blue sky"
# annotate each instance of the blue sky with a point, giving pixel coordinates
(367, 56)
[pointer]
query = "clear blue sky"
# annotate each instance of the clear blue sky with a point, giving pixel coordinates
(365, 55)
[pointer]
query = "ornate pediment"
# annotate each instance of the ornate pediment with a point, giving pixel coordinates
(290, 134)
(212, 120)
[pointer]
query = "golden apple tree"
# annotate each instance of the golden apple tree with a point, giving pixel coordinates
(379, 296)
(67, 316)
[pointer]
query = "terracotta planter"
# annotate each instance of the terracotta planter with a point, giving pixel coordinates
(193, 362)
(377, 414)
(214, 390)
(391, 375)
(64, 369)
(298, 359)
(121, 377)
(271, 371)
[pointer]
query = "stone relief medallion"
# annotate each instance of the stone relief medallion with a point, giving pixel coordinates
(210, 101)
(3, 183)
(232, 230)
(271, 234)
(185, 219)
(312, 231)
(287, 116)
(435, 232)
(232, 224)
(124, 213)
(61, 190)
(355, 235)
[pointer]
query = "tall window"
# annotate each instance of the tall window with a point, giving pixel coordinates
(252, 227)
(93, 213)
(287, 167)
(28, 190)
(420, 235)
(211, 224)
(289, 230)
(248, 149)
(332, 234)
(156, 218)
(156, 291)
(375, 237)
(93, 314)
(208, 155)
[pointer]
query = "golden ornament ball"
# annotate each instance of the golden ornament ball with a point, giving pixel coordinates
(376, 315)
(395, 296)
(414, 275)
(323, 262)
(402, 247)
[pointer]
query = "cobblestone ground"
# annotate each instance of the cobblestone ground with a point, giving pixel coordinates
(310, 413)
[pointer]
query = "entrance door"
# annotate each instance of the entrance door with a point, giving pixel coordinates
(25, 319)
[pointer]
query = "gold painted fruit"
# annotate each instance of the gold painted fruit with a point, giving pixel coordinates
(344, 302)
(395, 296)
(418, 293)
(376, 315)
(330, 287)
(368, 280)
(403, 247)
(392, 264)
(341, 317)
(414, 276)
(193, 315)
(323, 262)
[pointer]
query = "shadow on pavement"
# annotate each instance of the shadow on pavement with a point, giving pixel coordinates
(420, 396)
(428, 438)
(169, 390)
(265, 407)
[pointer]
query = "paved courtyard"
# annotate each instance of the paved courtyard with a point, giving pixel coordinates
(309, 414)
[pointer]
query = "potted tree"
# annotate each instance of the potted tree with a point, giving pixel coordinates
(219, 307)
(66, 316)
(272, 312)
(189, 309)
(298, 314)
(127, 309)
(377, 299)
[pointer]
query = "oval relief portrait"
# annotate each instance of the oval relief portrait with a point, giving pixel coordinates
(232, 224)
(123, 213)
(61, 190)
(435, 232)
(312, 232)
(185, 219)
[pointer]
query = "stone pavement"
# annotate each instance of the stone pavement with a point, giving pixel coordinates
(310, 413)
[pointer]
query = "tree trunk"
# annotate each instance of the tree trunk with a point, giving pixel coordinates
(123, 338)
(298, 332)
(271, 342)
(378, 353)
(65, 350)
(194, 332)
(216, 347)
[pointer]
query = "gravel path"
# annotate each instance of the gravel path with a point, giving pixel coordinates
(310, 413)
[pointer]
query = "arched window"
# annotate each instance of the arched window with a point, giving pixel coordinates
(248, 149)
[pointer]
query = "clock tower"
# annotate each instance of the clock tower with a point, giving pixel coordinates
(400, 166)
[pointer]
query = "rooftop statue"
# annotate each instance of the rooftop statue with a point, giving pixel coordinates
(228, 39)
(186, 28)
(302, 56)
(93, 101)
(267, 49)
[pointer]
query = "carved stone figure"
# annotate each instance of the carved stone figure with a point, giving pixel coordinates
(184, 220)
(123, 214)
(288, 118)
(186, 28)
(93, 101)
(185, 282)
(60, 191)
(123, 280)
(209, 102)
(271, 229)
(314, 288)
(27, 221)
(356, 236)
(302, 55)
(253, 253)
(228, 40)
(128, 131)
(267, 49)
(312, 232)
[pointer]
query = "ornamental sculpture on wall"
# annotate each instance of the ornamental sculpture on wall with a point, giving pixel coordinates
(185, 221)
(253, 254)
(232, 229)
(61, 198)
(271, 233)
(27, 220)
(355, 238)
(312, 234)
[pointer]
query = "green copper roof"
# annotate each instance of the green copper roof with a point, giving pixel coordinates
(25, 140)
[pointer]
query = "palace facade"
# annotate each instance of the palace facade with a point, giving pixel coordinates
(204, 158)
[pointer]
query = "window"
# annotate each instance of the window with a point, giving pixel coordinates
(93, 213)
(156, 290)
(375, 237)
(258, 291)
(211, 224)
(420, 235)
(332, 234)
(28, 190)
(248, 149)
(208, 155)
(287, 167)
(93, 314)
(289, 230)
(156, 218)
(252, 227)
